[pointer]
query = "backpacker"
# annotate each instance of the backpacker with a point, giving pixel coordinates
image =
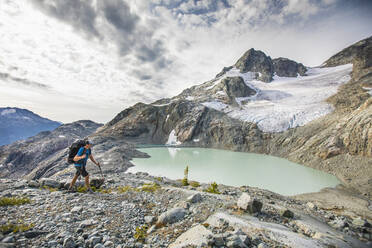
(73, 150)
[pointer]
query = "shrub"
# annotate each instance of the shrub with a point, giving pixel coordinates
(185, 180)
(213, 188)
(194, 184)
(12, 201)
(150, 187)
(123, 189)
(141, 233)
(159, 179)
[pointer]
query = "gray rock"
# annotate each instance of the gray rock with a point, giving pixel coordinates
(9, 239)
(235, 241)
(262, 245)
(286, 213)
(171, 216)
(310, 205)
(150, 219)
(86, 223)
(359, 222)
(108, 244)
(338, 223)
(196, 236)
(194, 198)
(99, 246)
(52, 243)
(33, 234)
(76, 209)
(69, 242)
(249, 204)
(33, 184)
(49, 183)
(94, 241)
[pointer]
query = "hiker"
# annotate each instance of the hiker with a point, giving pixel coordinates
(80, 161)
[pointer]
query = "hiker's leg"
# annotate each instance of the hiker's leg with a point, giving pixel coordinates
(87, 182)
(73, 181)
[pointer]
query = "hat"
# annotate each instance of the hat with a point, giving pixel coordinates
(87, 142)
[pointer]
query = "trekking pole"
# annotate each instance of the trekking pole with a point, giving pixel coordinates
(101, 171)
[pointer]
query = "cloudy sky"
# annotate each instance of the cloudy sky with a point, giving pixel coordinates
(89, 59)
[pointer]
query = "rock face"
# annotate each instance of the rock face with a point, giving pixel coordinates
(256, 61)
(234, 87)
(18, 124)
(346, 56)
(288, 68)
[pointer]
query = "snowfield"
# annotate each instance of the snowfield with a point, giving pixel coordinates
(286, 102)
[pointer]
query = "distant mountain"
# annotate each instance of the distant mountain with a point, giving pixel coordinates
(17, 124)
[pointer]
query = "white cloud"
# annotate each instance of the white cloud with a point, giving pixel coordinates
(171, 45)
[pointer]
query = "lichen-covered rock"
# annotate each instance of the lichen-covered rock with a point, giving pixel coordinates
(171, 216)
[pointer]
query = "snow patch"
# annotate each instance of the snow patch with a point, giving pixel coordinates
(190, 98)
(172, 139)
(61, 136)
(286, 102)
(166, 119)
(8, 111)
(216, 105)
(196, 140)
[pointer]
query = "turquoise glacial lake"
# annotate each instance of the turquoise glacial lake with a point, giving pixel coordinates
(233, 168)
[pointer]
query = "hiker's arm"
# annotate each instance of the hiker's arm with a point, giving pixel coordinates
(77, 158)
(94, 161)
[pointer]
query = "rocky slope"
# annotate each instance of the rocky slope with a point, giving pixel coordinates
(18, 124)
(138, 210)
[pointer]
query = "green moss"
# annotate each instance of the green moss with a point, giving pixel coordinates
(82, 189)
(159, 179)
(51, 189)
(213, 188)
(150, 187)
(124, 189)
(141, 233)
(8, 228)
(12, 201)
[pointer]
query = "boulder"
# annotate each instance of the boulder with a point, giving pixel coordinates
(249, 204)
(50, 183)
(171, 216)
(150, 219)
(33, 184)
(286, 213)
(194, 198)
(69, 242)
(196, 236)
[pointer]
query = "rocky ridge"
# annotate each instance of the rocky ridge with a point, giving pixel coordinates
(138, 210)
